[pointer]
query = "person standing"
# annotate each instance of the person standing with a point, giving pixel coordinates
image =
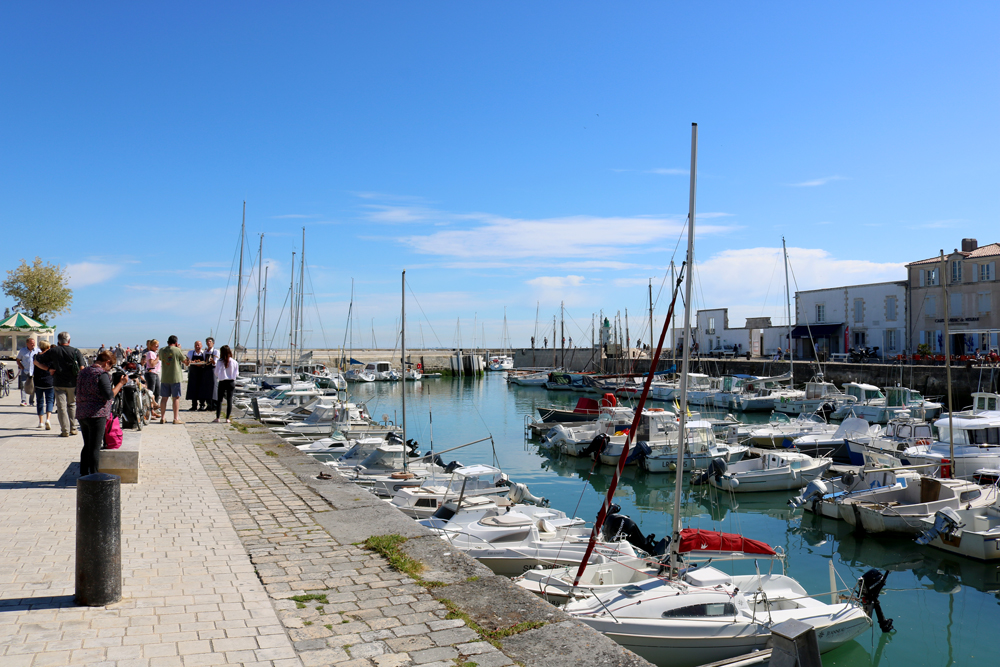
(26, 368)
(173, 360)
(226, 371)
(196, 379)
(45, 393)
(151, 365)
(212, 358)
(64, 362)
(95, 393)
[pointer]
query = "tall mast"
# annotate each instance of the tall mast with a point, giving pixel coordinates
(673, 335)
(402, 345)
(554, 342)
(562, 332)
(685, 363)
(302, 292)
(291, 323)
(239, 280)
(947, 364)
(263, 315)
(260, 266)
(651, 319)
(788, 306)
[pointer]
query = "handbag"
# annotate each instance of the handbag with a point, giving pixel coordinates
(29, 385)
(112, 433)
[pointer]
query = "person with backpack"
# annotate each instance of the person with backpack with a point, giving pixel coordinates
(95, 394)
(63, 362)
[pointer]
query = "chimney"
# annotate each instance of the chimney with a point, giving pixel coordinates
(968, 245)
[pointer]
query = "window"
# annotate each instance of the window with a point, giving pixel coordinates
(929, 278)
(859, 339)
(930, 305)
(987, 271)
(923, 338)
(711, 326)
(820, 312)
(710, 609)
(890, 308)
(859, 310)
(890, 340)
(956, 271)
(955, 305)
(984, 303)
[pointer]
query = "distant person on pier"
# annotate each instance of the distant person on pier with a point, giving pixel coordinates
(226, 371)
(152, 367)
(101, 349)
(211, 358)
(63, 362)
(26, 369)
(532, 342)
(197, 375)
(173, 360)
(546, 339)
(571, 341)
(45, 393)
(94, 394)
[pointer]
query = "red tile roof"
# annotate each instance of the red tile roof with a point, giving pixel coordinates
(990, 250)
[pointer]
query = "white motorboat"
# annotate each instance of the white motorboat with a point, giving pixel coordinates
(383, 371)
(976, 445)
(780, 433)
(528, 378)
(522, 538)
(317, 423)
(699, 449)
(412, 373)
(824, 496)
(421, 502)
(819, 396)
(834, 445)
(898, 510)
(359, 375)
(891, 439)
(774, 471)
(572, 440)
(500, 362)
(702, 389)
(707, 615)
(973, 532)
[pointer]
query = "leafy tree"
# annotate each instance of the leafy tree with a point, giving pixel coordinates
(39, 288)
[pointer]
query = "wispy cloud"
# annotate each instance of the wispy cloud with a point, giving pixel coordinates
(941, 224)
(817, 182)
(668, 172)
(209, 265)
(83, 274)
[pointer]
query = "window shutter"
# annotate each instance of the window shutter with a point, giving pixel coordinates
(975, 273)
(921, 272)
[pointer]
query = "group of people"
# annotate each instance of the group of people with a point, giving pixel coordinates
(83, 394)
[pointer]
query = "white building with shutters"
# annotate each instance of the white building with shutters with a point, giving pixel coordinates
(969, 277)
(836, 319)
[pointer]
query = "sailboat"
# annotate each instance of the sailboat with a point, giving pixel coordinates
(689, 615)
(502, 362)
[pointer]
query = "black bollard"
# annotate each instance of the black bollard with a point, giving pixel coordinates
(98, 540)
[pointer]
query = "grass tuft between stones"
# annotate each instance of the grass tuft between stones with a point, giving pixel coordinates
(492, 636)
(300, 600)
(388, 547)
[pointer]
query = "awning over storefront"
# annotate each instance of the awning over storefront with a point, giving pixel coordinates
(817, 330)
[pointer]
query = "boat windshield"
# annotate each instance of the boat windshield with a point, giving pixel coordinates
(960, 438)
(700, 610)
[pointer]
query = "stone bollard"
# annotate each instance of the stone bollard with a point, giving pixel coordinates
(98, 540)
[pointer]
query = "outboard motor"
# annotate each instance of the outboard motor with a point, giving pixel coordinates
(394, 438)
(814, 491)
(871, 584)
(617, 526)
(716, 468)
(947, 524)
(411, 446)
(519, 493)
(596, 446)
(450, 468)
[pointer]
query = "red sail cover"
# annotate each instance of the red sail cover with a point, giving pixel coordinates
(694, 539)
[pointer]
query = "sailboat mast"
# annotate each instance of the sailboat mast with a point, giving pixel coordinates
(239, 280)
(947, 365)
(402, 345)
(673, 335)
(291, 322)
(651, 317)
(554, 342)
(260, 266)
(685, 363)
(788, 306)
(263, 316)
(562, 332)
(302, 291)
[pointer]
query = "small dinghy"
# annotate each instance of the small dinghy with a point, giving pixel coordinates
(775, 471)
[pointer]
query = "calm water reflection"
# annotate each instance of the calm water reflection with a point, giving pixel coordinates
(945, 608)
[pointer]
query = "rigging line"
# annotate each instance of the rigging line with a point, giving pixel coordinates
(326, 344)
(763, 306)
(229, 281)
(413, 294)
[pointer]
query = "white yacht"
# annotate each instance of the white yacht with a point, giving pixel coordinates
(782, 432)
(500, 362)
(819, 395)
(976, 445)
(699, 449)
(383, 371)
(359, 374)
(774, 471)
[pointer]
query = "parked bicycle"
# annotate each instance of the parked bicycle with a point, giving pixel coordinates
(132, 405)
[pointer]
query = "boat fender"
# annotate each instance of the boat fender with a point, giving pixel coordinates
(871, 584)
(848, 479)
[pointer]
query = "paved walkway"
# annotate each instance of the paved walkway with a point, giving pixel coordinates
(190, 594)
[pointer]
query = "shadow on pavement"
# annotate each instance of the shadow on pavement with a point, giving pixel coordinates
(66, 481)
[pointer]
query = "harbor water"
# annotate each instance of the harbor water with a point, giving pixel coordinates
(945, 608)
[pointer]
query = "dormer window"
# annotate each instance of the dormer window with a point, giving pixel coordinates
(956, 271)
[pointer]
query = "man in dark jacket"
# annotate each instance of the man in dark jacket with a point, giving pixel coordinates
(64, 362)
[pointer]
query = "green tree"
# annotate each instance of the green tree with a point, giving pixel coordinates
(40, 288)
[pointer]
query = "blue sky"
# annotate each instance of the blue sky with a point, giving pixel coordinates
(507, 155)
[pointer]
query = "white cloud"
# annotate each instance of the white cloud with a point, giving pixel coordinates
(83, 274)
(817, 182)
(668, 172)
(582, 236)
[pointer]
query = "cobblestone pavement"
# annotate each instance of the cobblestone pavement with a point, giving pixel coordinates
(340, 604)
(190, 595)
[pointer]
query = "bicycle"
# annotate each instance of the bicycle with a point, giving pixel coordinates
(6, 377)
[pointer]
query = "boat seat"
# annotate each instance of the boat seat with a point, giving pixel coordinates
(545, 526)
(506, 520)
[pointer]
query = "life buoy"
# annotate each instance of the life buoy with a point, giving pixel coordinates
(923, 441)
(655, 410)
(402, 475)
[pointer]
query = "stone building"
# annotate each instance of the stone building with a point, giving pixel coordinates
(969, 277)
(837, 319)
